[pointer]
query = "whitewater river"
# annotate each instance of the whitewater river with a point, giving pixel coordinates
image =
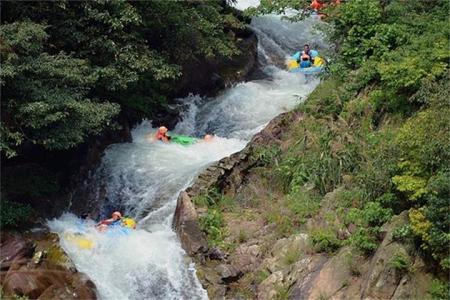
(143, 179)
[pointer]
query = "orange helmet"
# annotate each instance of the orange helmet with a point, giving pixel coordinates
(116, 213)
(163, 129)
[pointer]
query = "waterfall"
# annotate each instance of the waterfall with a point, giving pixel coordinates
(143, 179)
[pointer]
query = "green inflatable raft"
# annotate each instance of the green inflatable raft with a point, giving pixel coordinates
(183, 139)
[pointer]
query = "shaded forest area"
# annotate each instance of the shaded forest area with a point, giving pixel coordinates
(76, 74)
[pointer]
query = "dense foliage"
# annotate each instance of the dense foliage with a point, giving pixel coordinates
(378, 127)
(68, 66)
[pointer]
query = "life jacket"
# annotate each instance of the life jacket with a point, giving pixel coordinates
(305, 64)
(316, 5)
(116, 223)
(109, 222)
(160, 136)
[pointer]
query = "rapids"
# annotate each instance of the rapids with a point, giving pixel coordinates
(143, 179)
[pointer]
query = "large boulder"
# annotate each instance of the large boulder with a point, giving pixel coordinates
(331, 277)
(186, 224)
(383, 278)
(268, 289)
(40, 270)
(13, 248)
(48, 284)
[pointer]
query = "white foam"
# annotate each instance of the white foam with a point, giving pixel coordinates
(145, 178)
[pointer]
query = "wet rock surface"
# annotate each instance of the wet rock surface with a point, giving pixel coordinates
(189, 232)
(39, 269)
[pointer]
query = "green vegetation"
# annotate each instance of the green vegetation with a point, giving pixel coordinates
(13, 297)
(291, 256)
(13, 213)
(283, 292)
(439, 290)
(261, 276)
(352, 263)
(264, 155)
(377, 128)
(68, 67)
(325, 240)
(400, 262)
(212, 222)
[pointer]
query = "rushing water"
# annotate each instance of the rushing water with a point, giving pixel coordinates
(143, 179)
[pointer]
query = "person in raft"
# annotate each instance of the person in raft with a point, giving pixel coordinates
(305, 61)
(114, 220)
(307, 51)
(161, 135)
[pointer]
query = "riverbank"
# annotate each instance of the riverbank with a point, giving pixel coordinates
(252, 237)
(249, 238)
(352, 200)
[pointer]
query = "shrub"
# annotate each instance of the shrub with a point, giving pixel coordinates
(437, 211)
(303, 205)
(372, 215)
(13, 213)
(420, 226)
(439, 290)
(213, 198)
(322, 154)
(212, 224)
(325, 240)
(202, 200)
(413, 186)
(402, 233)
(325, 100)
(292, 255)
(264, 155)
(261, 276)
(353, 264)
(375, 215)
(364, 239)
(400, 262)
(283, 292)
(350, 198)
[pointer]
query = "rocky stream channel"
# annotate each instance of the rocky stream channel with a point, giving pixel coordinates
(168, 257)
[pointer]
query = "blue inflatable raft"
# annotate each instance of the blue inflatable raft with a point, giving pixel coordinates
(294, 67)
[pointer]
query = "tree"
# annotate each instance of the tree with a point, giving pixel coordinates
(44, 96)
(66, 64)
